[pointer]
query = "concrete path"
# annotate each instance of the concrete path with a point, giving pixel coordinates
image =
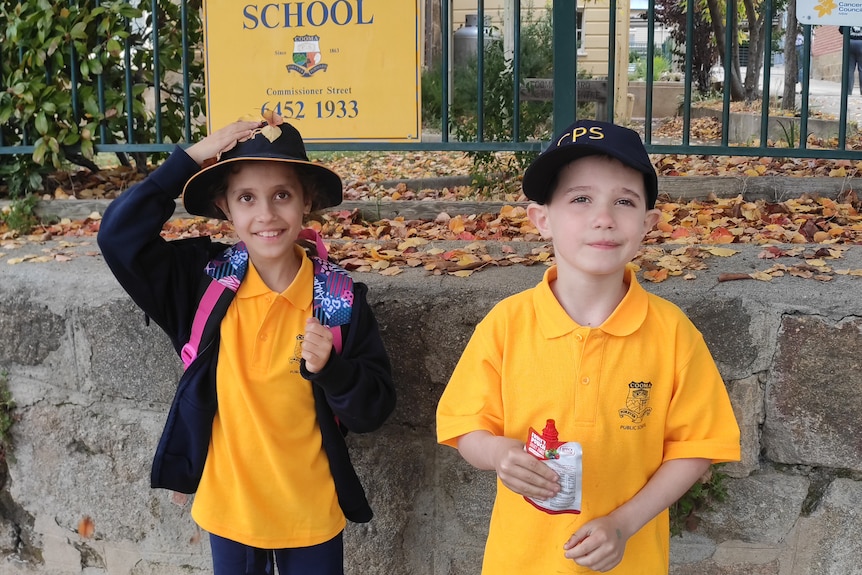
(823, 95)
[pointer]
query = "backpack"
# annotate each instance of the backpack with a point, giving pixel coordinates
(332, 292)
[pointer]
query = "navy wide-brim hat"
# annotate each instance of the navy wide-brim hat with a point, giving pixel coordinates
(589, 138)
(285, 147)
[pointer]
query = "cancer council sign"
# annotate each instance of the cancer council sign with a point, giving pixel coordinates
(342, 70)
(831, 12)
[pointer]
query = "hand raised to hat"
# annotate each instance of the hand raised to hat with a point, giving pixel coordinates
(221, 141)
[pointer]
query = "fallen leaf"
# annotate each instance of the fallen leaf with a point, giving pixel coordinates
(720, 252)
(86, 527)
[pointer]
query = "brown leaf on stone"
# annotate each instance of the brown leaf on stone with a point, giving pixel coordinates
(86, 527)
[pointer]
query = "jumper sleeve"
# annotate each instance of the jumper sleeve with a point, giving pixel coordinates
(358, 382)
(160, 276)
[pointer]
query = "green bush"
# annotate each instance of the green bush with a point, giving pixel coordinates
(535, 119)
(48, 47)
(660, 65)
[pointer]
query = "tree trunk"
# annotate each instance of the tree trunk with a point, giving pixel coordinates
(755, 51)
(433, 37)
(791, 65)
(715, 13)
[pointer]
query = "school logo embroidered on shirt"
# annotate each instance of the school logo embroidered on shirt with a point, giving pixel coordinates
(637, 401)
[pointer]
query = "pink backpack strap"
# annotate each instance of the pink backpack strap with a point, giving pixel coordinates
(313, 236)
(205, 309)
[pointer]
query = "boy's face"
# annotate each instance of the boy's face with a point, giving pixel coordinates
(266, 204)
(596, 217)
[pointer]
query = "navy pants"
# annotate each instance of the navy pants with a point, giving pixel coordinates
(232, 558)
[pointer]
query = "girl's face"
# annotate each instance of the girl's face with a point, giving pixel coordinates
(266, 203)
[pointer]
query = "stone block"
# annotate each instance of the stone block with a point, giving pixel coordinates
(814, 394)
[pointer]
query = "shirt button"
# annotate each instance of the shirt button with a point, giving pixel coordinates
(579, 337)
(263, 337)
(585, 381)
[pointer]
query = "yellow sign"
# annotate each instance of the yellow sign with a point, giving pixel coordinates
(338, 70)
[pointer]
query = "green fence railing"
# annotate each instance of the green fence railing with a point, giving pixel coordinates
(19, 131)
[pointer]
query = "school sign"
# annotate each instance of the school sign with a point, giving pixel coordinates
(829, 12)
(342, 70)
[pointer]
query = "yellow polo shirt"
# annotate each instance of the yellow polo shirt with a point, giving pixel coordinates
(267, 482)
(638, 390)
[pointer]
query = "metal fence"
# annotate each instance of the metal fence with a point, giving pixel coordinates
(17, 135)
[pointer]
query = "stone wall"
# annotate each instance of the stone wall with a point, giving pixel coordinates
(92, 384)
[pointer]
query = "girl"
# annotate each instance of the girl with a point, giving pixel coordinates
(255, 428)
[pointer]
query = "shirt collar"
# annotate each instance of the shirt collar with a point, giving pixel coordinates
(298, 293)
(626, 318)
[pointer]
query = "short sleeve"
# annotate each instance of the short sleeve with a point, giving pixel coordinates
(472, 400)
(700, 420)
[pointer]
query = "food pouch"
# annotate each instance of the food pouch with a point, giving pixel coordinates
(565, 458)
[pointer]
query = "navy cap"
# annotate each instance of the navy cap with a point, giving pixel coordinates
(286, 146)
(589, 138)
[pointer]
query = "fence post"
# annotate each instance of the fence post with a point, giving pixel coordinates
(565, 20)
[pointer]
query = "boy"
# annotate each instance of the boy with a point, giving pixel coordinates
(622, 372)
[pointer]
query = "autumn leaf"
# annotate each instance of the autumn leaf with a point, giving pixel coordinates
(656, 276)
(86, 527)
(720, 252)
(271, 133)
(762, 276)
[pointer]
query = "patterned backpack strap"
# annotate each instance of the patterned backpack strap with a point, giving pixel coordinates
(226, 272)
(333, 290)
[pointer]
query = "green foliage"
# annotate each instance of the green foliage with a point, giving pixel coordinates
(659, 66)
(791, 133)
(432, 96)
(7, 418)
(23, 178)
(20, 215)
(54, 56)
(21, 175)
(703, 494)
(535, 118)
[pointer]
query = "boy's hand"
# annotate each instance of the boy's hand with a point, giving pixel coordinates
(220, 141)
(598, 545)
(523, 473)
(517, 469)
(316, 345)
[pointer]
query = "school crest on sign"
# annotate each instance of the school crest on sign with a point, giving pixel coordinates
(306, 56)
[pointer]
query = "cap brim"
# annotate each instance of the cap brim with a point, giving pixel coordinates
(197, 193)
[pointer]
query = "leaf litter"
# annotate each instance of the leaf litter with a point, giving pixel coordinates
(686, 237)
